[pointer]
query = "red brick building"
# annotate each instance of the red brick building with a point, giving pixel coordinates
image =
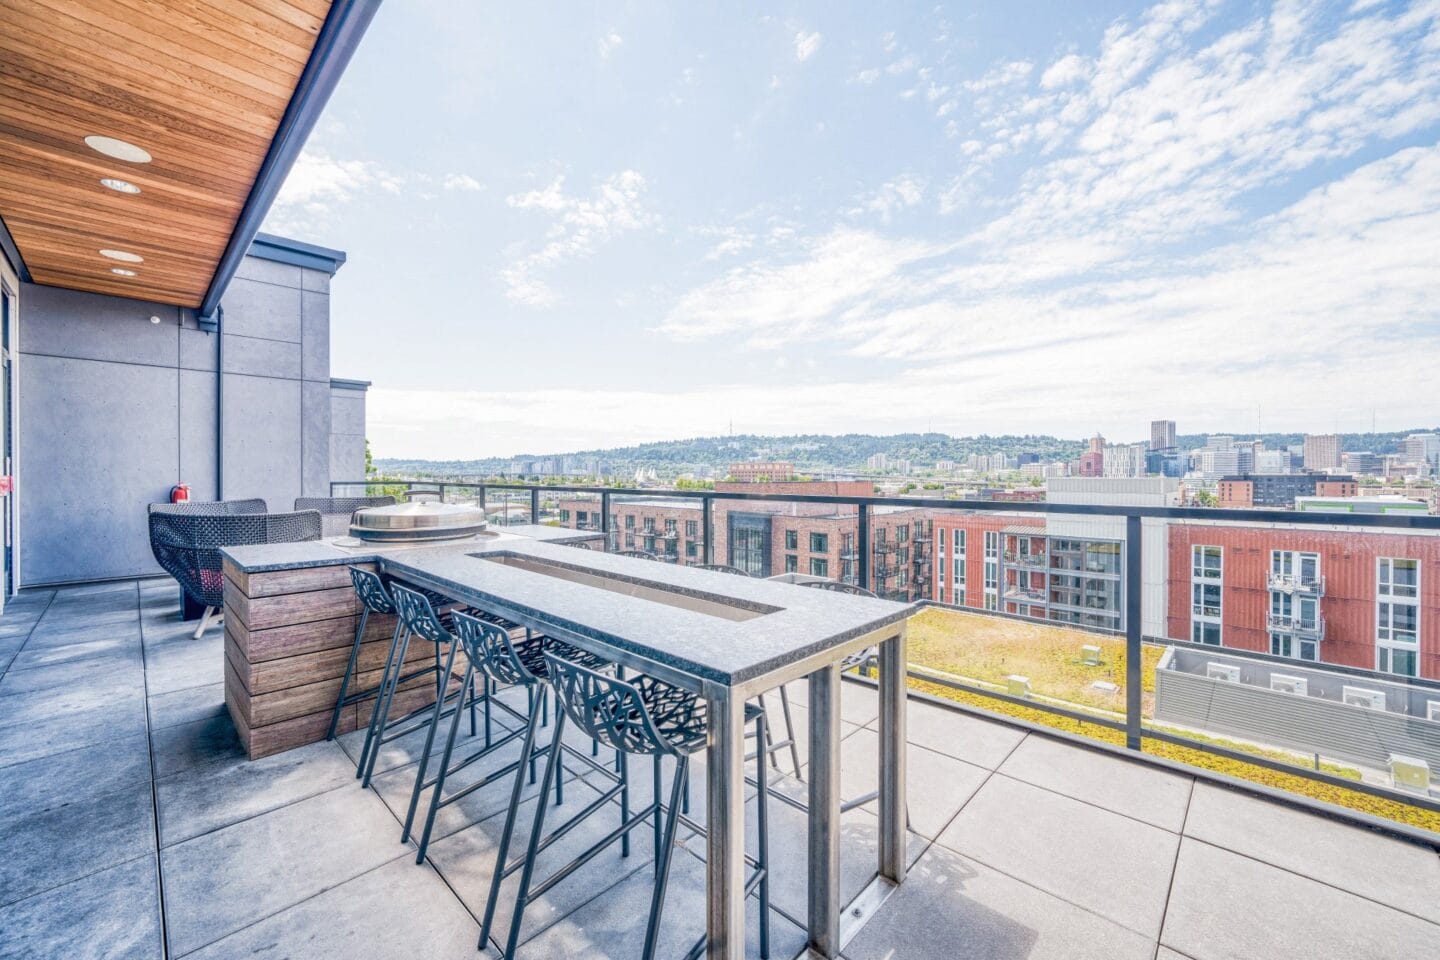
(753, 471)
(1359, 598)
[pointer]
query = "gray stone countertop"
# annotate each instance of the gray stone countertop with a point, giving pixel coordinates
(677, 616)
(269, 557)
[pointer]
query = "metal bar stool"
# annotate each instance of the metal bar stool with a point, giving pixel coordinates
(642, 716)
(410, 621)
(370, 589)
(501, 659)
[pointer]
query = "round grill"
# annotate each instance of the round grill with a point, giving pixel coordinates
(405, 522)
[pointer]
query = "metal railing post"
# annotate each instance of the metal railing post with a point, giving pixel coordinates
(707, 541)
(605, 518)
(484, 508)
(1134, 666)
(534, 504)
(862, 547)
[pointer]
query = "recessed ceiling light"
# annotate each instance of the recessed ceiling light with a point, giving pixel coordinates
(122, 256)
(121, 271)
(118, 149)
(121, 186)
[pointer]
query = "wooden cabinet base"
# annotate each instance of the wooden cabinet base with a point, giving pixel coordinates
(287, 643)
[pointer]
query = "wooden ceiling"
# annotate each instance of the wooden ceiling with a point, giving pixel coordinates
(199, 84)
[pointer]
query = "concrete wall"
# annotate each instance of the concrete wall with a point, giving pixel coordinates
(114, 409)
(347, 429)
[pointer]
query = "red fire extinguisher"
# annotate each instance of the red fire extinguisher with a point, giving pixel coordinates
(180, 493)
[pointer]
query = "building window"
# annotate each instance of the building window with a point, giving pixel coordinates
(692, 528)
(649, 543)
(941, 539)
(792, 540)
(1206, 594)
(564, 516)
(629, 521)
(847, 548)
(649, 525)
(580, 517)
(690, 549)
(1397, 616)
(792, 563)
(902, 533)
(613, 524)
(669, 527)
(819, 543)
(629, 541)
(1205, 563)
(819, 567)
(992, 569)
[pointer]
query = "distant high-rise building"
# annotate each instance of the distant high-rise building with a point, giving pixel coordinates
(1322, 451)
(1362, 463)
(1423, 448)
(1125, 460)
(944, 466)
(878, 462)
(1092, 462)
(1162, 434)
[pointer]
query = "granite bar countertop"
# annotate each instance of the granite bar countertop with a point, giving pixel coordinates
(332, 551)
(678, 616)
(701, 623)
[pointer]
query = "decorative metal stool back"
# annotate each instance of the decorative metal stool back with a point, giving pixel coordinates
(416, 616)
(491, 656)
(642, 716)
(374, 598)
(840, 586)
(722, 568)
(636, 554)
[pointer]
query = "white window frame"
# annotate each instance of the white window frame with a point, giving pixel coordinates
(1202, 577)
(1388, 597)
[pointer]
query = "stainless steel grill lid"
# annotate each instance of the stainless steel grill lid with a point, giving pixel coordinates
(417, 521)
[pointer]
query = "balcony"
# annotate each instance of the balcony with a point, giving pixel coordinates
(1024, 594)
(1310, 629)
(1021, 844)
(1024, 559)
(1296, 585)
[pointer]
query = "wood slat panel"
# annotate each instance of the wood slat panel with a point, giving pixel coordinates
(200, 84)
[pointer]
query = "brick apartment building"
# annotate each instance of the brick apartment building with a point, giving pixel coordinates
(1355, 597)
(770, 538)
(755, 471)
(1280, 489)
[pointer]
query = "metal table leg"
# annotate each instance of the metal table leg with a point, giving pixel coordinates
(824, 829)
(725, 840)
(892, 757)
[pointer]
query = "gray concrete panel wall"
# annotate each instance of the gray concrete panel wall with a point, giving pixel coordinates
(113, 410)
(347, 430)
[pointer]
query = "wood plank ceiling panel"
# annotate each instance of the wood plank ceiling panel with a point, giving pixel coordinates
(201, 85)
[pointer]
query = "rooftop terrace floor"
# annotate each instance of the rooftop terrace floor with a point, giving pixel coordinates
(136, 829)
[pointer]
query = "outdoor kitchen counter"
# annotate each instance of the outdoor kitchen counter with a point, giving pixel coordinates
(727, 638)
(290, 620)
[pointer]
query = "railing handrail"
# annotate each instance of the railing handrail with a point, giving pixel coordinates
(1299, 517)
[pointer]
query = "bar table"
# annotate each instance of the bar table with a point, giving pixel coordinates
(728, 639)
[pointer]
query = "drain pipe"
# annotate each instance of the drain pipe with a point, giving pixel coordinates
(217, 329)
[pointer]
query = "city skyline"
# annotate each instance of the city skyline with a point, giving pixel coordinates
(880, 220)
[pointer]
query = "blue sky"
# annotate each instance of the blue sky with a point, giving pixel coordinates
(574, 228)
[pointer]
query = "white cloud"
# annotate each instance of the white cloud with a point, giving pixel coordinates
(609, 42)
(868, 76)
(893, 196)
(463, 182)
(806, 44)
(578, 225)
(318, 184)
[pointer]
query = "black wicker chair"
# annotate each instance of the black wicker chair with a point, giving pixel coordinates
(335, 512)
(186, 539)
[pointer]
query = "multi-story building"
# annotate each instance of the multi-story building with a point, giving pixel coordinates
(754, 471)
(1125, 460)
(1281, 490)
(878, 461)
(1322, 451)
(766, 539)
(1362, 463)
(1355, 597)
(1162, 434)
(1423, 448)
(1092, 461)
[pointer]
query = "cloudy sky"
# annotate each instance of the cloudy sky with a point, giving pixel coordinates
(651, 221)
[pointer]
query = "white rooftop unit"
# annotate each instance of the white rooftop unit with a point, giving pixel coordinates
(1361, 697)
(1284, 683)
(1223, 671)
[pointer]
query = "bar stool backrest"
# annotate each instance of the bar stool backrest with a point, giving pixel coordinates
(839, 586)
(186, 539)
(417, 614)
(371, 591)
(488, 646)
(611, 711)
